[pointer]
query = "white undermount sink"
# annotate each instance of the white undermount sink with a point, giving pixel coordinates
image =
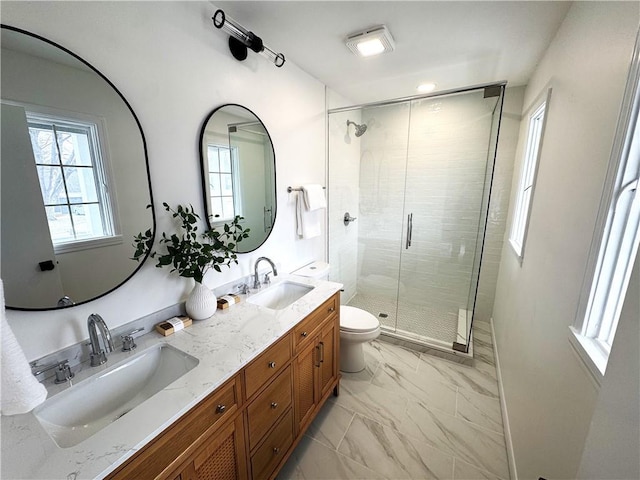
(280, 295)
(89, 406)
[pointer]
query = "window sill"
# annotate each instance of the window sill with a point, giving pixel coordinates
(517, 249)
(591, 355)
(87, 244)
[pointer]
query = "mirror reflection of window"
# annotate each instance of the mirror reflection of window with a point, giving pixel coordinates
(73, 180)
(223, 195)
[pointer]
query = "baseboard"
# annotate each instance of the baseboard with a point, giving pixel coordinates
(503, 407)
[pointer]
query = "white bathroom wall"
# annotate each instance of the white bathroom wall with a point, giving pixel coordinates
(613, 443)
(549, 394)
(174, 67)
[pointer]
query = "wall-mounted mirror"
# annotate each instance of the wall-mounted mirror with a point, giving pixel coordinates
(74, 180)
(238, 172)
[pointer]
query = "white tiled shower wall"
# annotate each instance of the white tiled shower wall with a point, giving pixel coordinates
(444, 189)
(343, 196)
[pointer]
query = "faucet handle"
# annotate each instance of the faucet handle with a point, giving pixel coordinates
(267, 280)
(243, 288)
(63, 372)
(62, 365)
(128, 342)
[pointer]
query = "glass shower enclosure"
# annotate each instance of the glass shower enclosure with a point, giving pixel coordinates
(417, 180)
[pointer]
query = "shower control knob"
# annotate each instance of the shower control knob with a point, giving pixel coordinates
(348, 219)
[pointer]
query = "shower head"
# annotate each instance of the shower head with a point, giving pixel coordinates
(360, 129)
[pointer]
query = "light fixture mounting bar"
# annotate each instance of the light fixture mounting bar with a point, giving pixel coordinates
(241, 39)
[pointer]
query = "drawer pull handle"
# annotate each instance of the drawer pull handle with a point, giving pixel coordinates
(272, 364)
(274, 405)
(276, 450)
(331, 309)
(304, 334)
(221, 408)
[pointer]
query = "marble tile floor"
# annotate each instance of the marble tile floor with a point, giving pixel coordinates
(409, 415)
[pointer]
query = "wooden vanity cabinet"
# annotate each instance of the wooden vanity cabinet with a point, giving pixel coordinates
(249, 426)
(164, 456)
(316, 362)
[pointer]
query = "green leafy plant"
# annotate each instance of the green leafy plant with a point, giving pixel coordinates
(189, 252)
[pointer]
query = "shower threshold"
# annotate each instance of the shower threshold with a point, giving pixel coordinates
(423, 344)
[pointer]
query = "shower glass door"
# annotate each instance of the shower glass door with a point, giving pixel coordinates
(445, 185)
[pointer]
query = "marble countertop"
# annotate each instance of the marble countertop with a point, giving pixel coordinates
(223, 344)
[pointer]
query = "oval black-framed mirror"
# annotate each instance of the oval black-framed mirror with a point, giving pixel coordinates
(238, 168)
(75, 177)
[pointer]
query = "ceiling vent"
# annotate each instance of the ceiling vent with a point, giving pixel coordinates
(372, 41)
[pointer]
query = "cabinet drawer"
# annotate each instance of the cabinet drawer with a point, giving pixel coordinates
(303, 332)
(269, 454)
(267, 365)
(268, 406)
(221, 405)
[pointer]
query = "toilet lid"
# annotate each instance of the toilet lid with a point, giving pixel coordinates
(357, 320)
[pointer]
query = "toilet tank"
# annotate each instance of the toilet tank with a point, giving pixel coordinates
(318, 270)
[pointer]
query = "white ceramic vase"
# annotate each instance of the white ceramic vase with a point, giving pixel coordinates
(202, 302)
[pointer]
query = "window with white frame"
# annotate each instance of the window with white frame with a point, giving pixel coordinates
(222, 171)
(616, 240)
(527, 178)
(73, 180)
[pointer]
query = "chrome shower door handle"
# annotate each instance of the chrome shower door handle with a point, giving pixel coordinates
(409, 230)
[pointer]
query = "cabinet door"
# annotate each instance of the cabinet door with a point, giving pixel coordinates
(306, 384)
(328, 355)
(222, 457)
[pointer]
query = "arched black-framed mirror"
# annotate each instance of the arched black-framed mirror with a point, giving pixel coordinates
(238, 172)
(75, 177)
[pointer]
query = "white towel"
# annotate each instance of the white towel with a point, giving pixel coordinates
(308, 224)
(314, 198)
(20, 392)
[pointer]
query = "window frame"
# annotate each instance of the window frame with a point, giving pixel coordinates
(234, 159)
(536, 126)
(616, 237)
(102, 173)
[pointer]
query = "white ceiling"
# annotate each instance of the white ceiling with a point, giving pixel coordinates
(454, 44)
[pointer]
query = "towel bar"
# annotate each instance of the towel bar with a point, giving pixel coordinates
(298, 189)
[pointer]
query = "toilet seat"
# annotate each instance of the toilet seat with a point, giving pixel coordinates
(357, 320)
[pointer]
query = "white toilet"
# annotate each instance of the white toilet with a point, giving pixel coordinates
(356, 325)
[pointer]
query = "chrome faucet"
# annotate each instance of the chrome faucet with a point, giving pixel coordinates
(99, 355)
(256, 278)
